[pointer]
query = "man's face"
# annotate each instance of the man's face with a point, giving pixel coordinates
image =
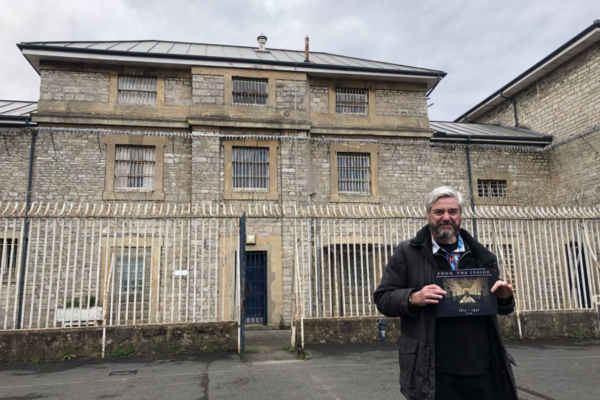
(444, 218)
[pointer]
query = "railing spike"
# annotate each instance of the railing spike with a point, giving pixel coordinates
(46, 210)
(296, 210)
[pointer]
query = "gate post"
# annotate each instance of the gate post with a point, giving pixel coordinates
(242, 300)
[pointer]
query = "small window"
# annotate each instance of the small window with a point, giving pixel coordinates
(354, 173)
(9, 252)
(491, 188)
(250, 167)
(139, 90)
(250, 92)
(134, 168)
(130, 275)
(351, 101)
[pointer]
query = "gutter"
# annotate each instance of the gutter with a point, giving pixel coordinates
(491, 138)
(24, 46)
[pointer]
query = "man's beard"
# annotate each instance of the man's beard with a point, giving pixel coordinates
(444, 234)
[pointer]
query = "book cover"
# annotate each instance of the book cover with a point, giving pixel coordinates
(467, 293)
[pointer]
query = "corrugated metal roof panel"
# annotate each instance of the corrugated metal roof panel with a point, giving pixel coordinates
(9, 108)
(180, 48)
(143, 47)
(471, 129)
(162, 48)
(197, 50)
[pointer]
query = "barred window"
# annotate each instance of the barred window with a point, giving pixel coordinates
(351, 101)
(130, 275)
(137, 90)
(250, 92)
(491, 188)
(250, 167)
(354, 173)
(134, 168)
(9, 252)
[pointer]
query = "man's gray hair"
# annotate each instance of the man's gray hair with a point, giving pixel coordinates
(441, 192)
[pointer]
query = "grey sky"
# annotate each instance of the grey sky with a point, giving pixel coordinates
(480, 44)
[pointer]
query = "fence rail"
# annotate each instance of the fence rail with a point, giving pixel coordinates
(551, 260)
(81, 271)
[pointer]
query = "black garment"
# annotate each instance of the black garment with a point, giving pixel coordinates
(455, 387)
(450, 248)
(410, 269)
(462, 343)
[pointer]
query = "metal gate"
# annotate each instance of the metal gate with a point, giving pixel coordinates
(256, 287)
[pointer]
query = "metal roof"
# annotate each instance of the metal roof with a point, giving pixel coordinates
(252, 54)
(14, 112)
(155, 53)
(458, 131)
(567, 51)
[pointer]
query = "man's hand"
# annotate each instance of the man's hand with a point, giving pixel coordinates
(503, 290)
(428, 295)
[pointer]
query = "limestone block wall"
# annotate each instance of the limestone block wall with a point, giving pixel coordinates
(74, 86)
(208, 89)
(575, 168)
(564, 103)
(319, 99)
(400, 103)
(178, 92)
(408, 173)
(289, 92)
(14, 166)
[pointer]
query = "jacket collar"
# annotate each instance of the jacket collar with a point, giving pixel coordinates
(483, 255)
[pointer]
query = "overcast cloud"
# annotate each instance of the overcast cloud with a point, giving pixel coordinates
(480, 44)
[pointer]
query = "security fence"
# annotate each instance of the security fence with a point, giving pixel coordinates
(117, 264)
(550, 256)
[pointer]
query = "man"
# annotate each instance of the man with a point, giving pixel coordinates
(445, 358)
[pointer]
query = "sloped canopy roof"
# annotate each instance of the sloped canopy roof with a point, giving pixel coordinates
(479, 133)
(16, 112)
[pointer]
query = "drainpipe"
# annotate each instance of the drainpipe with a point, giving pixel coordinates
(471, 184)
(26, 227)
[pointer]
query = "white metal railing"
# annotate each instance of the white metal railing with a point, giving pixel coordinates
(549, 256)
(103, 267)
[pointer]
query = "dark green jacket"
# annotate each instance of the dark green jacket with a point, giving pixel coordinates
(410, 269)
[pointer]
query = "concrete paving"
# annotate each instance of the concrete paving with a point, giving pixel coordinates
(560, 369)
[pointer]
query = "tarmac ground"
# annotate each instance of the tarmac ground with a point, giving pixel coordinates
(549, 370)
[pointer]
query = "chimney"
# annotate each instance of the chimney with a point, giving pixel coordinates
(262, 41)
(306, 59)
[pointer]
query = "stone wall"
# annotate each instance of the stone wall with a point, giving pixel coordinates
(178, 92)
(54, 344)
(400, 103)
(534, 325)
(74, 86)
(575, 169)
(289, 92)
(319, 99)
(408, 173)
(564, 103)
(208, 89)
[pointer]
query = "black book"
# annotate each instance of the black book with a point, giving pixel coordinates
(467, 293)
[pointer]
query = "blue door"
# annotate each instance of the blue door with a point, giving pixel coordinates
(256, 287)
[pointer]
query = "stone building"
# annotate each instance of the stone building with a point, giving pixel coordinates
(181, 123)
(558, 96)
